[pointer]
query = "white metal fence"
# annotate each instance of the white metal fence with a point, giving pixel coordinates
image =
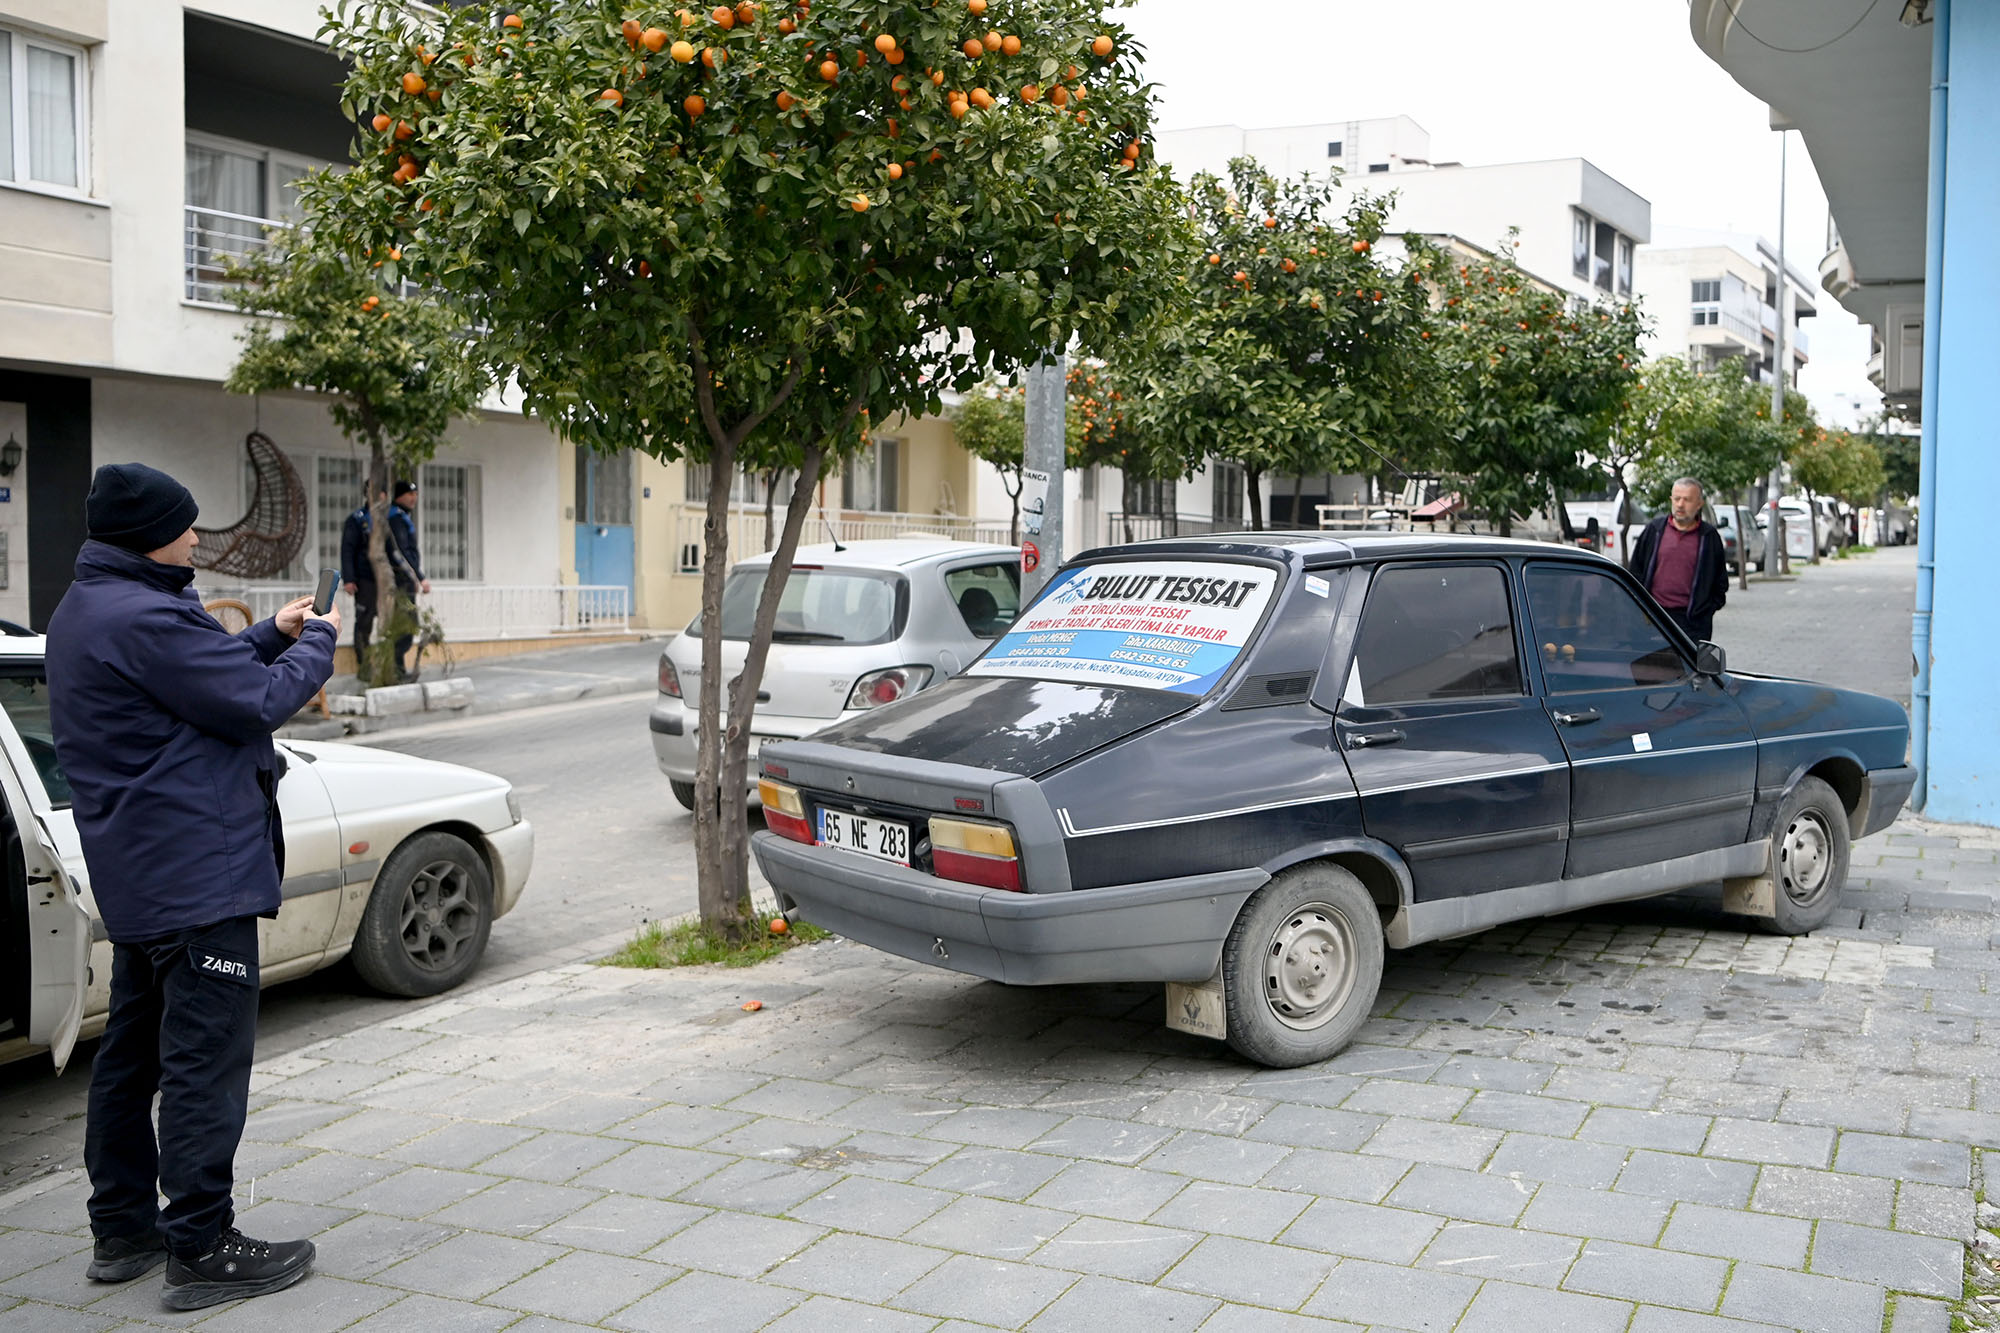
(473, 610)
(213, 239)
(746, 529)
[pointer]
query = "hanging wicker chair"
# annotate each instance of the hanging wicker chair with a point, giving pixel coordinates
(265, 541)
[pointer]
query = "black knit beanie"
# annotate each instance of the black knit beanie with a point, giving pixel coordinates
(137, 507)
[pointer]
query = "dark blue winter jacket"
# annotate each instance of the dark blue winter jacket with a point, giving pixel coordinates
(163, 723)
(404, 562)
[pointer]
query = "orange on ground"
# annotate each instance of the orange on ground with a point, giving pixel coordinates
(682, 51)
(885, 43)
(779, 925)
(1010, 45)
(895, 171)
(829, 70)
(413, 83)
(654, 39)
(694, 104)
(1101, 47)
(752, 1006)
(973, 48)
(724, 16)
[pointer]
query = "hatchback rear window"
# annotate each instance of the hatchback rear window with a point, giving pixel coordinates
(1152, 624)
(818, 605)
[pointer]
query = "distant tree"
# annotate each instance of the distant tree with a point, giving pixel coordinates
(989, 423)
(1713, 426)
(1530, 386)
(396, 370)
(1901, 454)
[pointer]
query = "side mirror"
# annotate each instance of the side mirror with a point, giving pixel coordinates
(1709, 659)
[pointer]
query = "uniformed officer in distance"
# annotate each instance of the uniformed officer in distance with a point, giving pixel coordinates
(163, 723)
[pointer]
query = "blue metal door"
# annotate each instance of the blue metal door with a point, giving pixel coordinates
(604, 519)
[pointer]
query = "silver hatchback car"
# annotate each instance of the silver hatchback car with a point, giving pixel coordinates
(859, 625)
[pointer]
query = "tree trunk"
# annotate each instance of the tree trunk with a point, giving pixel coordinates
(735, 855)
(1013, 499)
(382, 647)
(1253, 478)
(716, 894)
(1131, 490)
(1812, 523)
(1742, 547)
(1298, 490)
(770, 495)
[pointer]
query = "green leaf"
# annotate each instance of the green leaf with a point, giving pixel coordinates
(521, 219)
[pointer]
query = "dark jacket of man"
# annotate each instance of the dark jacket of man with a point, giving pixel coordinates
(401, 549)
(163, 723)
(1711, 578)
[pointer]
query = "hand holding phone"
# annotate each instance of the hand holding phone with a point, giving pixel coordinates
(329, 580)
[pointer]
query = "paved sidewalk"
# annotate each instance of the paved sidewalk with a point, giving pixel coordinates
(1641, 1120)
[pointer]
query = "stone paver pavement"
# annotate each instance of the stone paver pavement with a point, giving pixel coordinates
(1639, 1120)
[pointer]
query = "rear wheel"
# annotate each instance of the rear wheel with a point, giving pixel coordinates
(1301, 966)
(1809, 852)
(427, 919)
(683, 792)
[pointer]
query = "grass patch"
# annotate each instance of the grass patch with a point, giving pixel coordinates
(690, 944)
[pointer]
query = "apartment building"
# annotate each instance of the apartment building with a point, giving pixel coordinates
(1714, 298)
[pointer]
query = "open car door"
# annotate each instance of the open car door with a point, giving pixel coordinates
(58, 930)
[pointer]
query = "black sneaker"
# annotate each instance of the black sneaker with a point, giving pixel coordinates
(234, 1268)
(122, 1258)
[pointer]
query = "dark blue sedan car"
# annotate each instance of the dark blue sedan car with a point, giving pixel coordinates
(1245, 764)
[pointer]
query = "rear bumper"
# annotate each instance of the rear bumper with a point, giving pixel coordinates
(1887, 791)
(672, 729)
(1165, 930)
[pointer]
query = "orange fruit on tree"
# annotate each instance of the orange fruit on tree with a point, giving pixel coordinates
(1242, 277)
(895, 57)
(381, 123)
(1132, 151)
(860, 57)
(1010, 45)
(895, 171)
(746, 12)
(1361, 247)
(958, 110)
(724, 16)
(613, 96)
(1215, 259)
(937, 78)
(860, 204)
(973, 48)
(511, 21)
(906, 104)
(1271, 223)
(884, 43)
(693, 104)
(413, 83)
(1059, 95)
(1101, 48)
(992, 40)
(1031, 93)
(653, 39)
(631, 28)
(786, 26)
(645, 269)
(682, 51)
(371, 303)
(434, 94)
(975, 7)
(711, 56)
(1291, 266)
(981, 98)
(424, 205)
(829, 70)
(785, 101)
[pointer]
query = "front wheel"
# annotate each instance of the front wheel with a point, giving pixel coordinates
(1301, 967)
(427, 919)
(683, 792)
(1809, 852)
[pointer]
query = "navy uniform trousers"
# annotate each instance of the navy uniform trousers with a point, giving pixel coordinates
(183, 1025)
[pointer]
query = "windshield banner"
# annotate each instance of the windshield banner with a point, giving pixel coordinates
(1157, 625)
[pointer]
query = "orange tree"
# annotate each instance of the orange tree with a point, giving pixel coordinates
(734, 235)
(1297, 348)
(1530, 385)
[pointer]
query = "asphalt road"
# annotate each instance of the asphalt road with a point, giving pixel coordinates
(613, 849)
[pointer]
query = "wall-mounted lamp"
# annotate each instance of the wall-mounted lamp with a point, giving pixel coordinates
(10, 455)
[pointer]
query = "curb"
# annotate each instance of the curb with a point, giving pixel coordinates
(350, 727)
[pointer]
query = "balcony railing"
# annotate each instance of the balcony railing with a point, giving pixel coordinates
(1144, 527)
(476, 611)
(746, 529)
(213, 239)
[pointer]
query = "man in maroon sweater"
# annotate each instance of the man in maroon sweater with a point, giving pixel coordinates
(1680, 560)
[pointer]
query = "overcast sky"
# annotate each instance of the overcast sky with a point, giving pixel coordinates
(1619, 82)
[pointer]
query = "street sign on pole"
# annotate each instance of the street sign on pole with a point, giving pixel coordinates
(1044, 456)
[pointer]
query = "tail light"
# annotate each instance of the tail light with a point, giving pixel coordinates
(887, 685)
(974, 853)
(670, 679)
(784, 811)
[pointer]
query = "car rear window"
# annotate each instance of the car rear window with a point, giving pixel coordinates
(818, 605)
(1146, 624)
(24, 695)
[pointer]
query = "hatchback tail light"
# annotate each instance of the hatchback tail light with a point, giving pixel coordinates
(785, 811)
(670, 679)
(974, 853)
(887, 685)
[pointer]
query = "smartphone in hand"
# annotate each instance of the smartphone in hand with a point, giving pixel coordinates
(329, 581)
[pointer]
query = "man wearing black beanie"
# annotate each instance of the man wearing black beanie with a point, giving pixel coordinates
(163, 723)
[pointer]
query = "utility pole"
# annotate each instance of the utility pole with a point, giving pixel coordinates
(1045, 453)
(1774, 549)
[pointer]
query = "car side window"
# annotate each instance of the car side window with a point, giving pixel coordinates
(1594, 634)
(1434, 632)
(26, 702)
(988, 597)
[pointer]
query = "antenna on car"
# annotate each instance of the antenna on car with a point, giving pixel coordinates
(832, 535)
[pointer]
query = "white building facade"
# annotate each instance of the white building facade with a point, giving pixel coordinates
(1714, 299)
(160, 137)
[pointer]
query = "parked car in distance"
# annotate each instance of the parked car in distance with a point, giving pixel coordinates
(1620, 519)
(1802, 527)
(859, 625)
(1724, 519)
(396, 863)
(1244, 765)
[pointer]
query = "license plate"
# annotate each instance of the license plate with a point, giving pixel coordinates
(879, 838)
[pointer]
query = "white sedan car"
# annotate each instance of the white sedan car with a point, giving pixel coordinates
(399, 863)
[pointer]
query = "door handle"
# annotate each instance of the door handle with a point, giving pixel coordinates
(1579, 717)
(1368, 738)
